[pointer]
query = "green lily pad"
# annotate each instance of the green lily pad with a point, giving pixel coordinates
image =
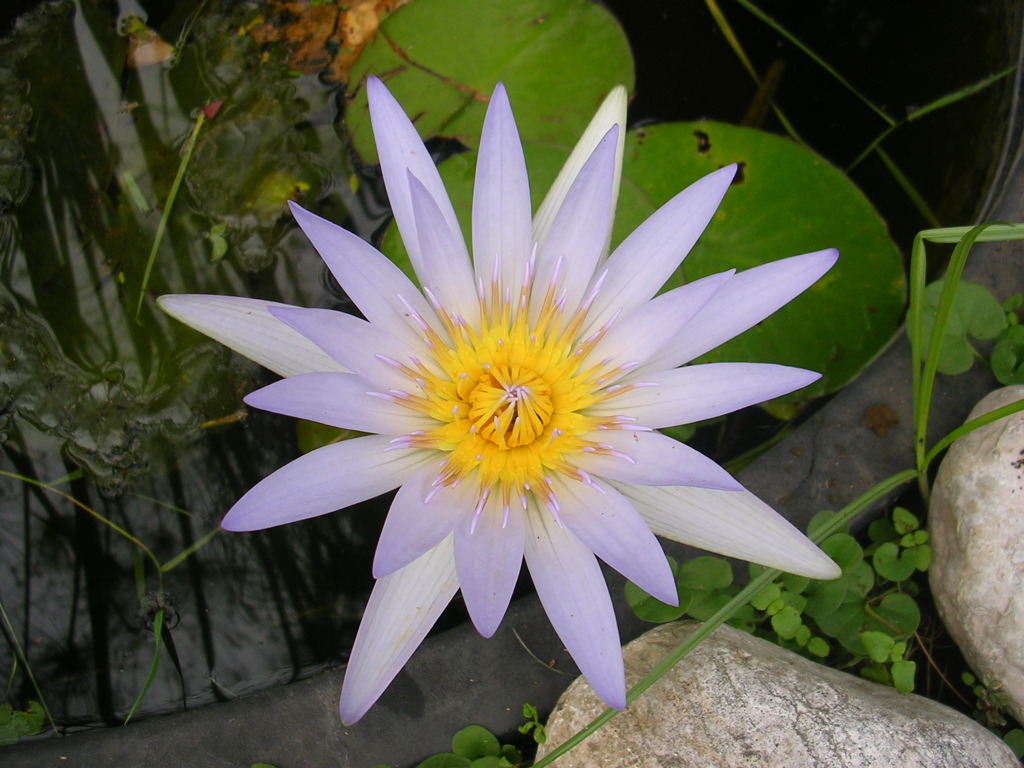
(786, 200)
(442, 58)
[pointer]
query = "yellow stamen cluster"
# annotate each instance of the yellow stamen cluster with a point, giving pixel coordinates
(508, 397)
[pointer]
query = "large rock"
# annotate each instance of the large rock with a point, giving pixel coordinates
(976, 521)
(738, 701)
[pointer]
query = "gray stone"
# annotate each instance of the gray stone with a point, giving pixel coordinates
(976, 519)
(739, 701)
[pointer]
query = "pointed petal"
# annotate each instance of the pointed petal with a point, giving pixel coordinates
(645, 260)
(654, 459)
(338, 399)
(576, 239)
(418, 519)
(369, 352)
(248, 327)
(575, 598)
(445, 268)
(401, 610)
(501, 197)
(612, 112)
(698, 392)
(734, 524)
(747, 299)
(402, 152)
(321, 481)
(607, 524)
(635, 339)
(369, 277)
(488, 558)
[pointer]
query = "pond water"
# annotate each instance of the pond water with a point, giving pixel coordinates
(112, 413)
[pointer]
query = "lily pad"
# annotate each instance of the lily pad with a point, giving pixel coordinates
(786, 200)
(442, 58)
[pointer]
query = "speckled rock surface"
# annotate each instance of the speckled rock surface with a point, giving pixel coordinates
(738, 701)
(977, 530)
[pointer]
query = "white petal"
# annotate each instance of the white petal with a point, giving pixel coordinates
(735, 524)
(654, 459)
(445, 267)
(369, 277)
(747, 299)
(321, 481)
(339, 400)
(574, 595)
(647, 258)
(402, 152)
(418, 520)
(611, 528)
(488, 558)
(611, 112)
(698, 392)
(246, 326)
(501, 197)
(577, 237)
(401, 610)
(636, 338)
(370, 352)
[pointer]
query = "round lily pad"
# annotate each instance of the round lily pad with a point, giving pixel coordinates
(442, 58)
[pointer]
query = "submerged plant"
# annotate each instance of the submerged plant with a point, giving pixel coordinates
(513, 401)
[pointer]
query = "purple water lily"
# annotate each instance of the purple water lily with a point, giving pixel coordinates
(513, 399)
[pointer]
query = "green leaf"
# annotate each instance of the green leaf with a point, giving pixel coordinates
(490, 761)
(904, 521)
(445, 760)
(649, 608)
(786, 622)
(475, 741)
(1007, 359)
(897, 613)
(704, 573)
(975, 313)
(442, 58)
(881, 530)
(924, 557)
(903, 675)
(823, 597)
(785, 201)
(17, 724)
(894, 564)
(818, 646)
(795, 584)
(312, 435)
(877, 645)
(1015, 740)
(844, 549)
(765, 597)
(860, 579)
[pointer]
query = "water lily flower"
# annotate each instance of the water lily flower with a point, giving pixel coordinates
(513, 400)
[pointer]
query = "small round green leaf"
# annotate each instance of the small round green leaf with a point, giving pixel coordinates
(877, 645)
(475, 741)
(903, 675)
(898, 611)
(894, 564)
(786, 622)
(704, 573)
(823, 597)
(844, 549)
(818, 646)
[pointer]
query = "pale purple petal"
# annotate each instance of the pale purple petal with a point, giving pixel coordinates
(402, 152)
(747, 299)
(420, 516)
(635, 339)
(361, 347)
(576, 240)
(339, 400)
(369, 278)
(643, 262)
(248, 327)
(401, 610)
(731, 523)
(488, 558)
(574, 595)
(321, 481)
(445, 269)
(612, 112)
(699, 392)
(501, 197)
(611, 528)
(651, 458)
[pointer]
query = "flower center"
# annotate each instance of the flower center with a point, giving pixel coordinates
(510, 406)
